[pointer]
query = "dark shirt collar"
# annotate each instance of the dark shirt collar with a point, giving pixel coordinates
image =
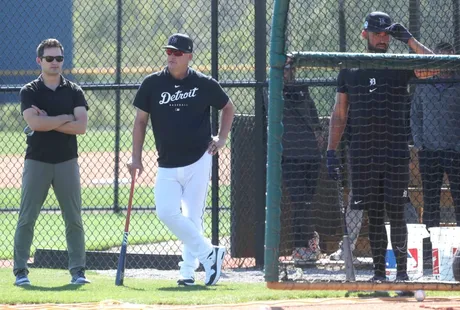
(62, 83)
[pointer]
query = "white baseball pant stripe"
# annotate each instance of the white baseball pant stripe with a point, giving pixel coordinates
(185, 188)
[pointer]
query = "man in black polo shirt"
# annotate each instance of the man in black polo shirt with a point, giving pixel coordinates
(376, 104)
(55, 110)
(178, 101)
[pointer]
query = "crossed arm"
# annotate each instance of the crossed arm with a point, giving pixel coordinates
(38, 120)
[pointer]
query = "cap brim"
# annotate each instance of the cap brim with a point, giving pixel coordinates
(376, 29)
(171, 47)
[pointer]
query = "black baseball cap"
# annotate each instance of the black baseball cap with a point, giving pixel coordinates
(181, 42)
(377, 22)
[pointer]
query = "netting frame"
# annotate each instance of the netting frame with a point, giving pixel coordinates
(274, 147)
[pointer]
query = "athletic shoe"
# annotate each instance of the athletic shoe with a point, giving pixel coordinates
(21, 278)
(402, 277)
(213, 265)
(186, 282)
(378, 279)
(79, 278)
(339, 254)
(312, 253)
(187, 275)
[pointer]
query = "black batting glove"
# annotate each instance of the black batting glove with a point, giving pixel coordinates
(332, 164)
(399, 32)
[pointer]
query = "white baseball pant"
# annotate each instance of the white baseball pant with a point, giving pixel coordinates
(185, 188)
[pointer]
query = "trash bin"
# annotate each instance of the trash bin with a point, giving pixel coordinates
(243, 202)
(445, 242)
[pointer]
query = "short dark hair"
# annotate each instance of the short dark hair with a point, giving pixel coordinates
(48, 43)
(444, 46)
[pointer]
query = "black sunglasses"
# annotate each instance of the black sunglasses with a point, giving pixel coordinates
(51, 58)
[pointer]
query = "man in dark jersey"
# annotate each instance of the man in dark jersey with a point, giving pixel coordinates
(300, 163)
(376, 105)
(55, 110)
(178, 101)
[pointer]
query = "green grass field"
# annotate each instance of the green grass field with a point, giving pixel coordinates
(103, 230)
(92, 141)
(52, 286)
(102, 197)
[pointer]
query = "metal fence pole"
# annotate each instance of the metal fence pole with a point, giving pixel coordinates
(342, 27)
(215, 124)
(116, 189)
(260, 128)
(414, 19)
(456, 21)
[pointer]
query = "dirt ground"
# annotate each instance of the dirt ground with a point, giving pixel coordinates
(98, 168)
(320, 303)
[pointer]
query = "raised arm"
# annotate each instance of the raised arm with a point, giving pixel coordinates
(399, 32)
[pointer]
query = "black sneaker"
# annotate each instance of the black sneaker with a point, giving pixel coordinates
(79, 278)
(402, 277)
(378, 279)
(186, 282)
(21, 278)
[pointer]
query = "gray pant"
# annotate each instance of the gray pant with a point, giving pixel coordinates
(36, 180)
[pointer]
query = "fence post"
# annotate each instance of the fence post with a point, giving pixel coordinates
(116, 177)
(456, 21)
(414, 19)
(260, 128)
(342, 27)
(215, 124)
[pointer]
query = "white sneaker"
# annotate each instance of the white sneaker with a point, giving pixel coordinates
(187, 275)
(339, 254)
(213, 265)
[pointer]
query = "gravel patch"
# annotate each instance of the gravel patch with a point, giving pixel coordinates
(228, 275)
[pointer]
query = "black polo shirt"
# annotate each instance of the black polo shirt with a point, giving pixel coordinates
(52, 146)
(379, 107)
(180, 114)
(300, 121)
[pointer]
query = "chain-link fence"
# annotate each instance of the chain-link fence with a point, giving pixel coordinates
(109, 47)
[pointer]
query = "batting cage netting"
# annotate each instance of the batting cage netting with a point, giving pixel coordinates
(363, 155)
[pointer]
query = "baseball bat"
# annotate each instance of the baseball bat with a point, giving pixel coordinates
(348, 256)
(124, 244)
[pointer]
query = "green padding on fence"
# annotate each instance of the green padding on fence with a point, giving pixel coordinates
(275, 132)
(375, 61)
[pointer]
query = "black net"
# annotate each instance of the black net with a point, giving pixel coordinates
(394, 132)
